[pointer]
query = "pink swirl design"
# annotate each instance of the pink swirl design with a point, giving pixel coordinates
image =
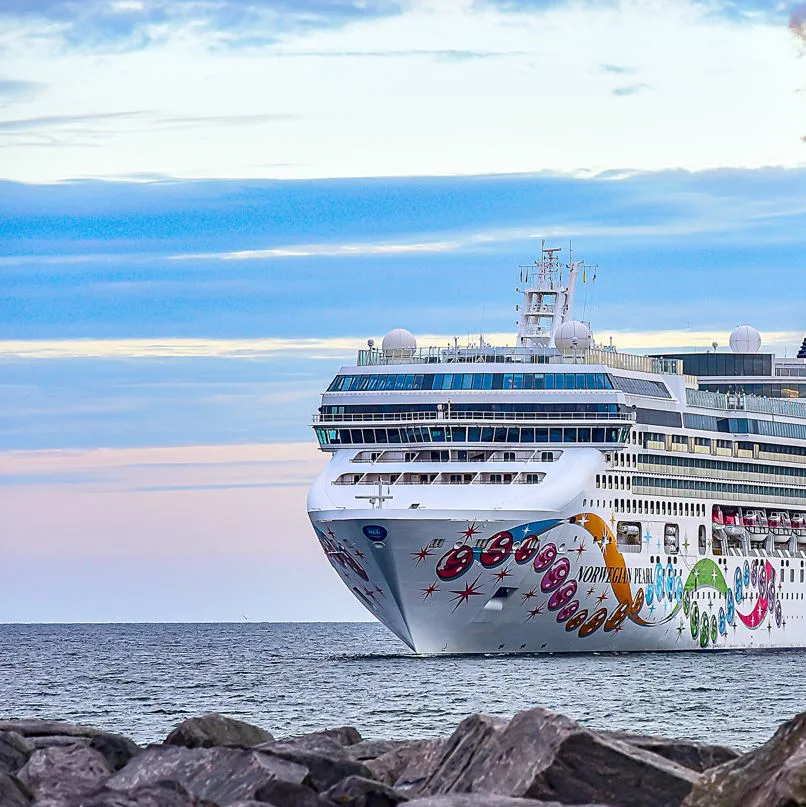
(555, 576)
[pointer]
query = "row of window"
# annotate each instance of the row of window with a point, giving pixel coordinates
(515, 408)
(745, 426)
(663, 461)
(471, 434)
(785, 390)
(658, 440)
(699, 487)
(469, 381)
(641, 386)
(727, 364)
(493, 478)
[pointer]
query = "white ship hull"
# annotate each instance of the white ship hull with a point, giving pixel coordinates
(567, 589)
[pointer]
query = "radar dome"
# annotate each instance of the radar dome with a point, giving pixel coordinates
(399, 343)
(573, 335)
(745, 339)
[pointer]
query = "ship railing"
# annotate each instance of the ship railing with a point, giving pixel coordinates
(448, 417)
(739, 402)
(373, 356)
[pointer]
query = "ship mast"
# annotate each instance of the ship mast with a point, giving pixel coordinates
(547, 300)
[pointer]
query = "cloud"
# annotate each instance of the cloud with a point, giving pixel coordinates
(135, 24)
(331, 348)
(797, 22)
(616, 69)
(629, 89)
(15, 90)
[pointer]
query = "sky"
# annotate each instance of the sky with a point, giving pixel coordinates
(206, 208)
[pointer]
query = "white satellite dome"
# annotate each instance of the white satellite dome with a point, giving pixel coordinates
(573, 335)
(745, 339)
(399, 343)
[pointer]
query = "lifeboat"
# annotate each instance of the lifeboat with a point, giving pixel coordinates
(733, 525)
(755, 522)
(717, 518)
(780, 526)
(798, 522)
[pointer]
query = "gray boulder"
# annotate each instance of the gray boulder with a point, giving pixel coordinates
(403, 765)
(12, 792)
(485, 800)
(355, 791)
(441, 768)
(14, 751)
(214, 729)
(117, 750)
(326, 768)
(543, 755)
(343, 735)
(372, 749)
(164, 794)
(773, 775)
(694, 756)
(287, 794)
(45, 728)
(219, 775)
(62, 772)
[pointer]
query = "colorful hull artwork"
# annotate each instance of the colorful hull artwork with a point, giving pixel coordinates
(553, 585)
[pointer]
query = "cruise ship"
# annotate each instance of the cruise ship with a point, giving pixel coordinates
(561, 496)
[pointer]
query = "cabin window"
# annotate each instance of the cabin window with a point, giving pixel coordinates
(702, 541)
(671, 539)
(509, 456)
(628, 536)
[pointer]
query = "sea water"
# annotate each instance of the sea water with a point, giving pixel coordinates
(141, 680)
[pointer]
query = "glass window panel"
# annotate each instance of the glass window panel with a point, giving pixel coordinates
(542, 435)
(555, 435)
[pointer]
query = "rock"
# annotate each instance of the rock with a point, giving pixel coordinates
(543, 755)
(45, 728)
(56, 740)
(214, 729)
(164, 794)
(220, 775)
(60, 772)
(773, 775)
(372, 749)
(325, 769)
(484, 800)
(694, 756)
(287, 794)
(343, 735)
(404, 766)
(12, 792)
(442, 769)
(117, 750)
(14, 751)
(355, 791)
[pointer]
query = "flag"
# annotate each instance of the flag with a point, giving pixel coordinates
(584, 275)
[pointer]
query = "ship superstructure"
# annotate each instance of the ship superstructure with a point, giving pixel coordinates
(559, 496)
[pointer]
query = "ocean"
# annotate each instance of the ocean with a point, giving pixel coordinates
(141, 680)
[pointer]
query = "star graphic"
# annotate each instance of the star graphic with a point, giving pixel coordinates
(583, 521)
(470, 531)
(527, 595)
(424, 553)
(679, 631)
(427, 592)
(612, 519)
(602, 597)
(534, 612)
(591, 591)
(469, 591)
(330, 532)
(618, 629)
(525, 530)
(579, 550)
(647, 538)
(652, 609)
(502, 574)
(379, 590)
(769, 627)
(359, 554)
(685, 544)
(369, 592)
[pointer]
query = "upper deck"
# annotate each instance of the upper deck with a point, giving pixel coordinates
(371, 357)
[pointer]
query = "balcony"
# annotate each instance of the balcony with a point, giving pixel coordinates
(447, 417)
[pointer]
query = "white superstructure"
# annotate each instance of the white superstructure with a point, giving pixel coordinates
(557, 496)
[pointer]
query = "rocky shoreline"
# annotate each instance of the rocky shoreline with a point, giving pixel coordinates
(536, 759)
